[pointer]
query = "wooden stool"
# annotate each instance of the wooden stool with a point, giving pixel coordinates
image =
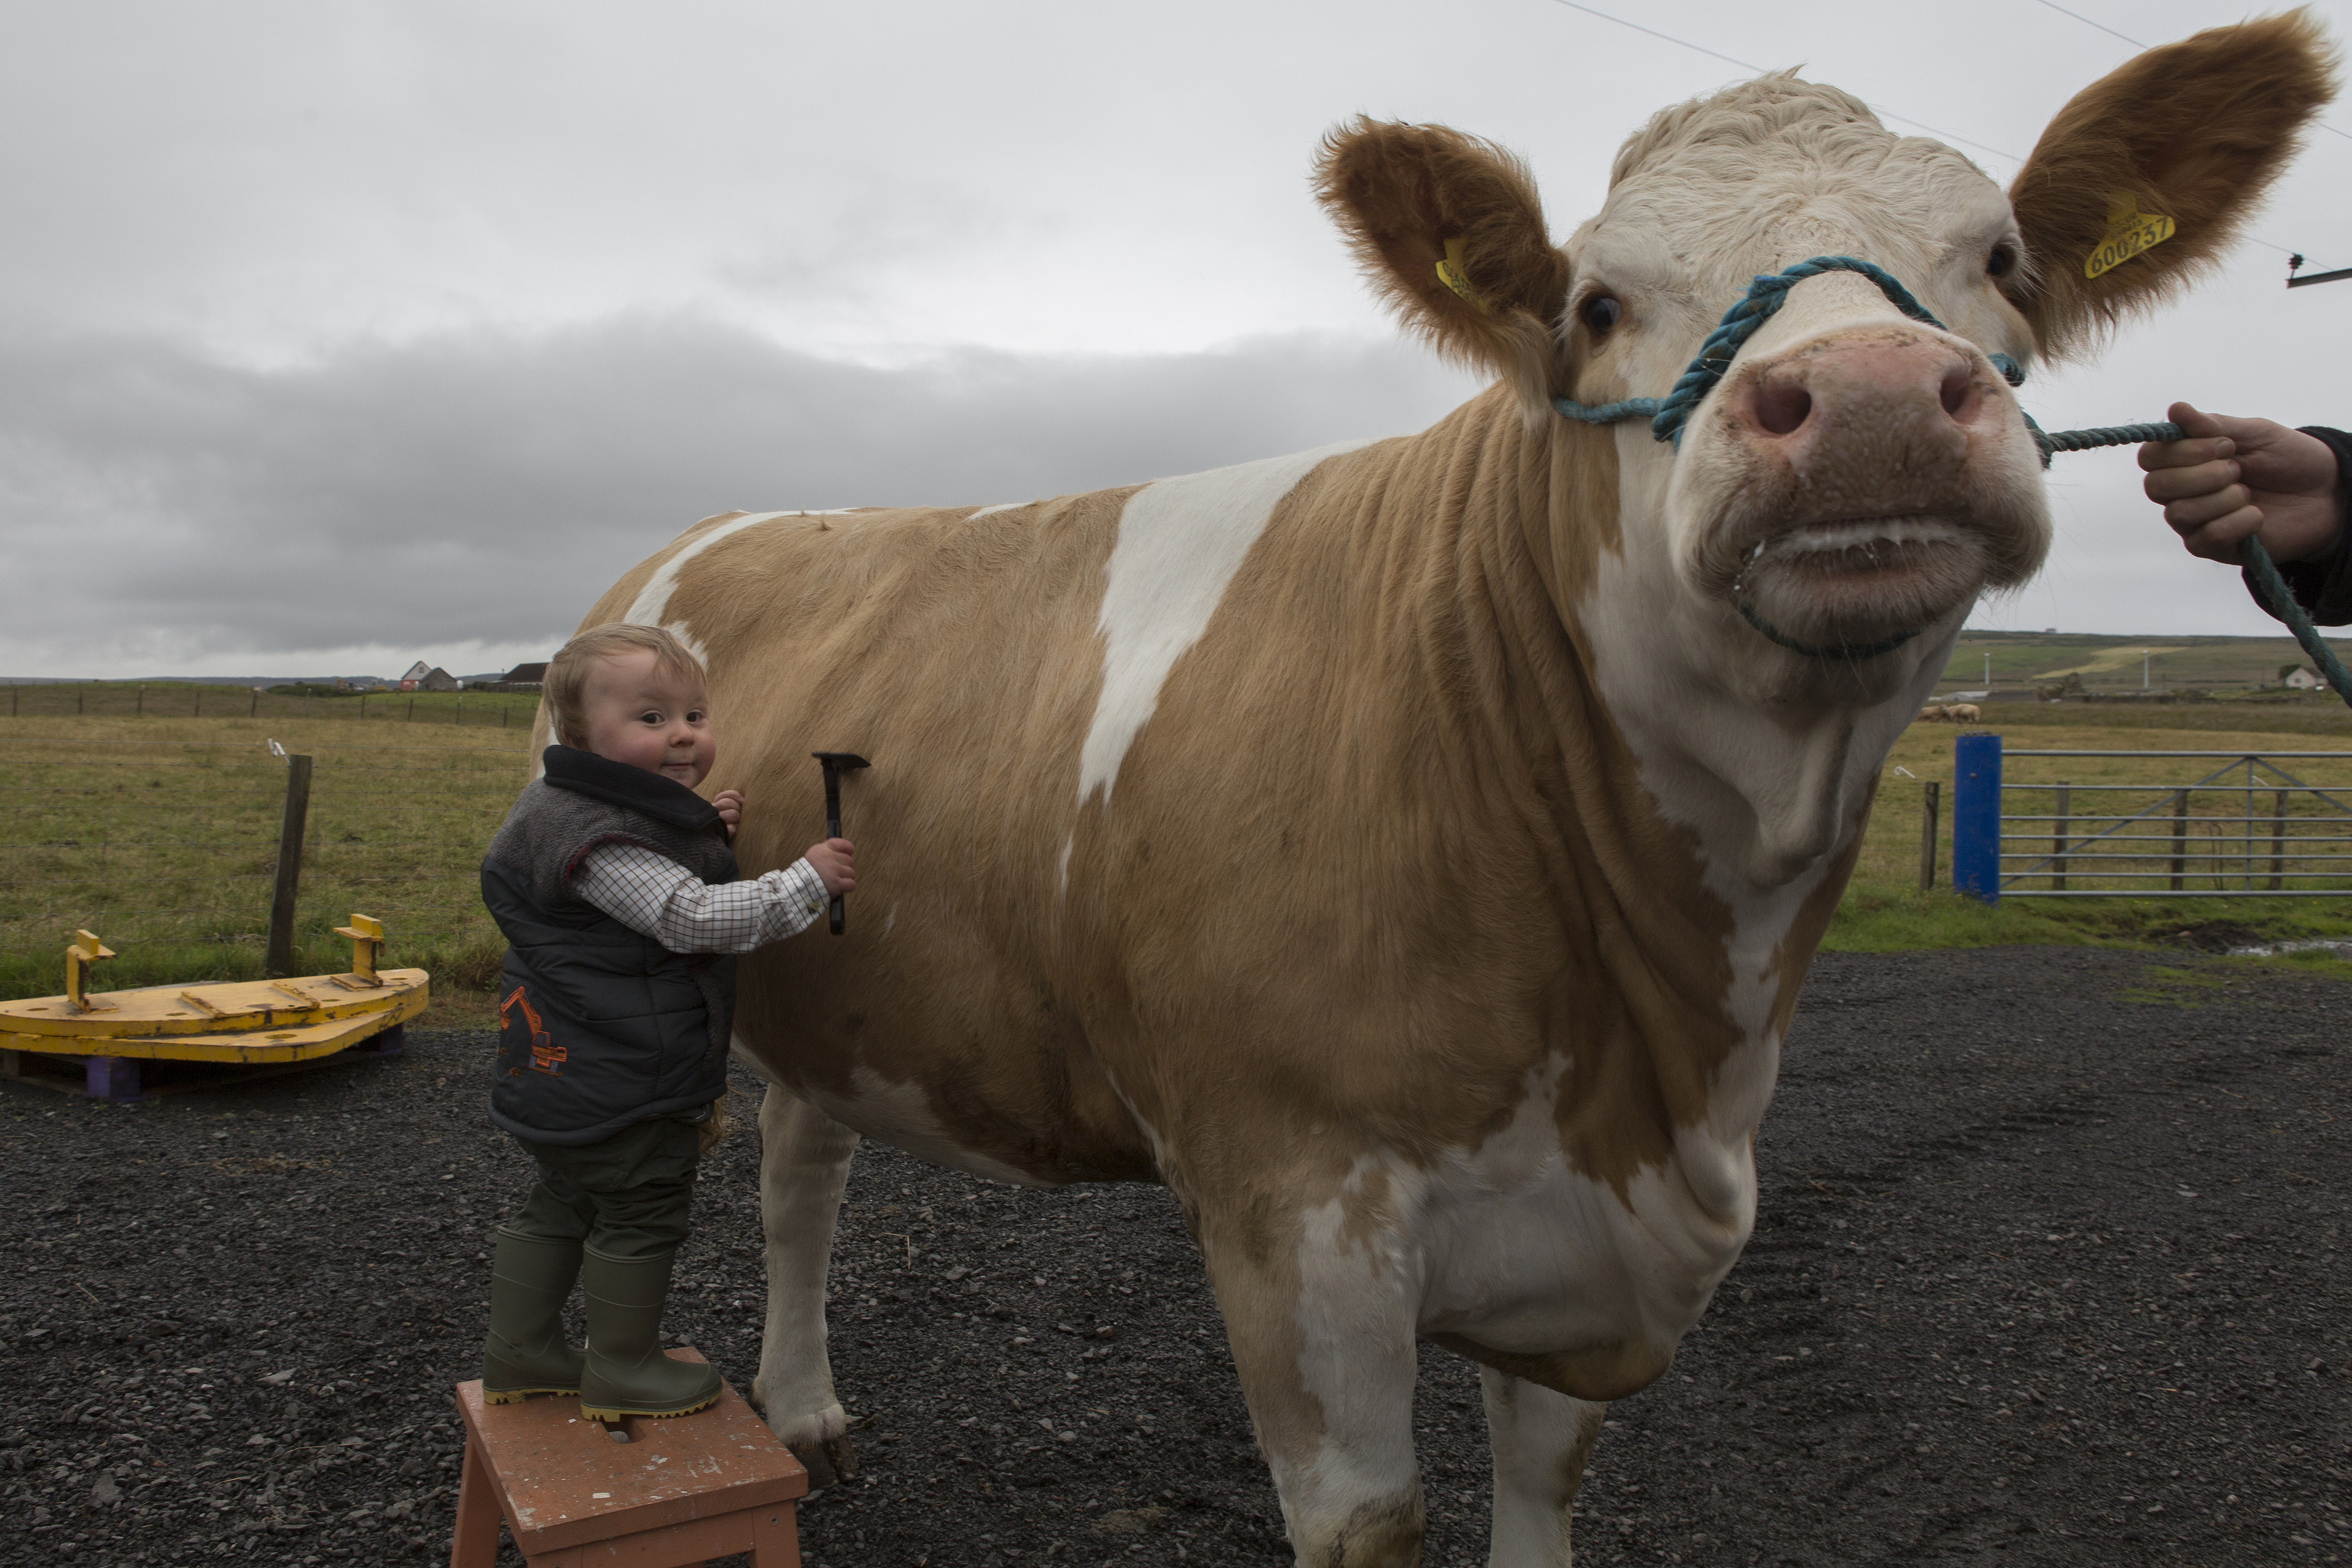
(682, 1490)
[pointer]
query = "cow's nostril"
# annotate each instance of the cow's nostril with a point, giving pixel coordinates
(1780, 409)
(1959, 394)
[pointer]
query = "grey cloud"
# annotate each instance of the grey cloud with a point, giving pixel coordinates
(159, 504)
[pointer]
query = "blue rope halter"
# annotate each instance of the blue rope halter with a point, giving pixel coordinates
(1766, 295)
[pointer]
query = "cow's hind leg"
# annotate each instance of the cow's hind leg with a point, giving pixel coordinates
(1540, 1440)
(803, 1165)
(1321, 1326)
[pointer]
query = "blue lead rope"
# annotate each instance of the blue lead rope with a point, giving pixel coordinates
(1766, 295)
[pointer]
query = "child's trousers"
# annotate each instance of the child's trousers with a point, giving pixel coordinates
(628, 1195)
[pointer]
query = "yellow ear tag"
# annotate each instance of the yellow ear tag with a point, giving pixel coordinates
(1454, 276)
(2130, 232)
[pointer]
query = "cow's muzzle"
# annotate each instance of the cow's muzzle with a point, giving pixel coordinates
(1861, 487)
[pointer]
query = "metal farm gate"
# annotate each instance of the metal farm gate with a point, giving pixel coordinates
(2243, 825)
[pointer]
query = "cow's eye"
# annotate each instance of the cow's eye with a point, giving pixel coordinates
(2002, 261)
(1603, 312)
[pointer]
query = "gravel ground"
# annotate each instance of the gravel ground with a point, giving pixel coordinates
(2049, 1264)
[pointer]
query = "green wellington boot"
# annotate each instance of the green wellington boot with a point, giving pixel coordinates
(626, 1372)
(524, 1352)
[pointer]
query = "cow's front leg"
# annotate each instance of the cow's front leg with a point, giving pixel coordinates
(1321, 1324)
(803, 1165)
(1541, 1439)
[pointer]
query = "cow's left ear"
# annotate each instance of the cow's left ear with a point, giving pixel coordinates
(2142, 181)
(1450, 231)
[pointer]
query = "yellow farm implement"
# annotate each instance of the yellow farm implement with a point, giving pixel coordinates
(267, 1024)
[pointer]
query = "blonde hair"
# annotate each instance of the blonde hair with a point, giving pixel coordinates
(566, 683)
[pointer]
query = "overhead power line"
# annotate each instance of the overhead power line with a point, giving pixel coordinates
(2101, 26)
(2136, 43)
(1881, 112)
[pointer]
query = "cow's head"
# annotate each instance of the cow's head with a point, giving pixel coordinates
(1858, 475)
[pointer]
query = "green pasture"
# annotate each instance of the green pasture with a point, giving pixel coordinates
(159, 831)
(161, 835)
(1884, 908)
(2111, 666)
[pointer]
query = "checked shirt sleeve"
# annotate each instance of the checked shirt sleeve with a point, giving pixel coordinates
(654, 896)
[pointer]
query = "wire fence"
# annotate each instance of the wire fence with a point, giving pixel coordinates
(505, 709)
(168, 850)
(2088, 824)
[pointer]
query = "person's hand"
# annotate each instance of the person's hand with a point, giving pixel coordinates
(2228, 480)
(730, 803)
(831, 861)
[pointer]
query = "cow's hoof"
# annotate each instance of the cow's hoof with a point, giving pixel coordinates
(829, 1461)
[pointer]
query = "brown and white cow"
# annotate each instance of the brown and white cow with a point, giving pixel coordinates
(1410, 852)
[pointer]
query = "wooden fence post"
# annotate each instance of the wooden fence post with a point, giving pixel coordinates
(1927, 837)
(281, 960)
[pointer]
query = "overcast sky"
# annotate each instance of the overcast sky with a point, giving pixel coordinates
(335, 335)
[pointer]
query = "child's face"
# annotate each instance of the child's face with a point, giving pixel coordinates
(650, 718)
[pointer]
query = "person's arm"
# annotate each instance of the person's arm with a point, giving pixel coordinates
(2230, 480)
(2322, 584)
(654, 896)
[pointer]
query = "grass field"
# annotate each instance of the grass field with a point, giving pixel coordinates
(161, 835)
(161, 832)
(2112, 665)
(1884, 909)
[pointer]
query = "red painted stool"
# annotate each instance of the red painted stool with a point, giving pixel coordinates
(706, 1485)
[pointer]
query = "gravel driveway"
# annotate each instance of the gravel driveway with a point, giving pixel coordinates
(2050, 1265)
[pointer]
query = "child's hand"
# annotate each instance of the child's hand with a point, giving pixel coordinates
(730, 803)
(831, 862)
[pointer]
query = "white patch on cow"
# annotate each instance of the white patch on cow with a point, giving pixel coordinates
(1150, 1133)
(1527, 1255)
(1179, 542)
(1772, 786)
(651, 607)
(1000, 506)
(1361, 1274)
(1539, 1437)
(900, 1114)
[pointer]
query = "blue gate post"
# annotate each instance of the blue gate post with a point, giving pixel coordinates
(1976, 817)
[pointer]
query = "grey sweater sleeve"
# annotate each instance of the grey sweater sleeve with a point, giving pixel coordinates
(2323, 584)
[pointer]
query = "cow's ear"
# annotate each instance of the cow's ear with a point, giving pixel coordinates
(2194, 133)
(1450, 231)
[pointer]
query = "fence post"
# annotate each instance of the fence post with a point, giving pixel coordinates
(1927, 837)
(1976, 817)
(281, 960)
(2278, 841)
(253, 703)
(2179, 837)
(2058, 836)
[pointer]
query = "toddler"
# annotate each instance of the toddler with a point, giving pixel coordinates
(615, 885)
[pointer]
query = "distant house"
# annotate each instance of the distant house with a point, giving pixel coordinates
(2303, 681)
(525, 675)
(421, 676)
